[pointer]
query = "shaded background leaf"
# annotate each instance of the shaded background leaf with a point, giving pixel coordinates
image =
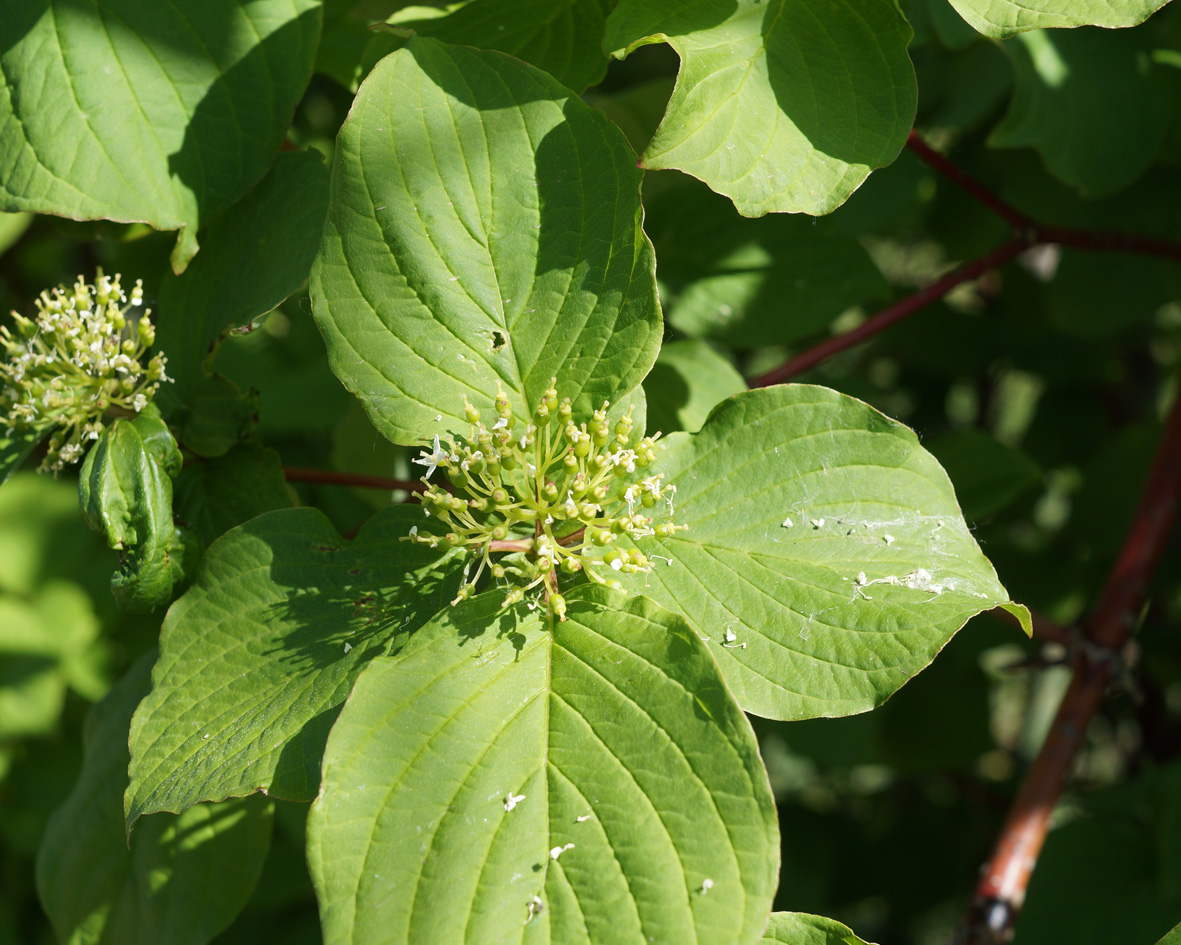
(184, 877)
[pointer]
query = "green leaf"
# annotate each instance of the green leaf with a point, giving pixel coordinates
(15, 448)
(752, 283)
(213, 496)
(252, 257)
(565, 39)
(135, 111)
(184, 877)
(1089, 103)
(781, 106)
(687, 381)
(1096, 302)
(799, 928)
(1001, 19)
(45, 644)
(826, 560)
(12, 228)
(219, 417)
(258, 655)
(642, 811)
(126, 496)
(987, 474)
(1109, 862)
(484, 225)
(1173, 938)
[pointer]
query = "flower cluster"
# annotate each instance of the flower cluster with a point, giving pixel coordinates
(78, 361)
(549, 496)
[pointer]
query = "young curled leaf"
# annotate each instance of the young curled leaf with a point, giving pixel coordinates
(125, 490)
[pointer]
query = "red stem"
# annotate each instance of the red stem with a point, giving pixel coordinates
(1026, 233)
(333, 478)
(809, 358)
(958, 176)
(1001, 889)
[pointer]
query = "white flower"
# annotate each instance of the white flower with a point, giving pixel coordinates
(432, 459)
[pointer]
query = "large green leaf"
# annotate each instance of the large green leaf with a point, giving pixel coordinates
(1172, 938)
(258, 655)
(1089, 102)
(781, 106)
(484, 225)
(182, 880)
(564, 38)
(504, 781)
(125, 490)
(1001, 19)
(826, 560)
(134, 110)
(799, 928)
(253, 256)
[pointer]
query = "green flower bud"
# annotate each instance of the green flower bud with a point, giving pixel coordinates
(514, 596)
(557, 606)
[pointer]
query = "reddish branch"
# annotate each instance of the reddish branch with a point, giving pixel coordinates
(884, 319)
(1002, 885)
(1026, 233)
(333, 478)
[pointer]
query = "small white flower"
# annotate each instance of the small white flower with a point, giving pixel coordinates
(432, 459)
